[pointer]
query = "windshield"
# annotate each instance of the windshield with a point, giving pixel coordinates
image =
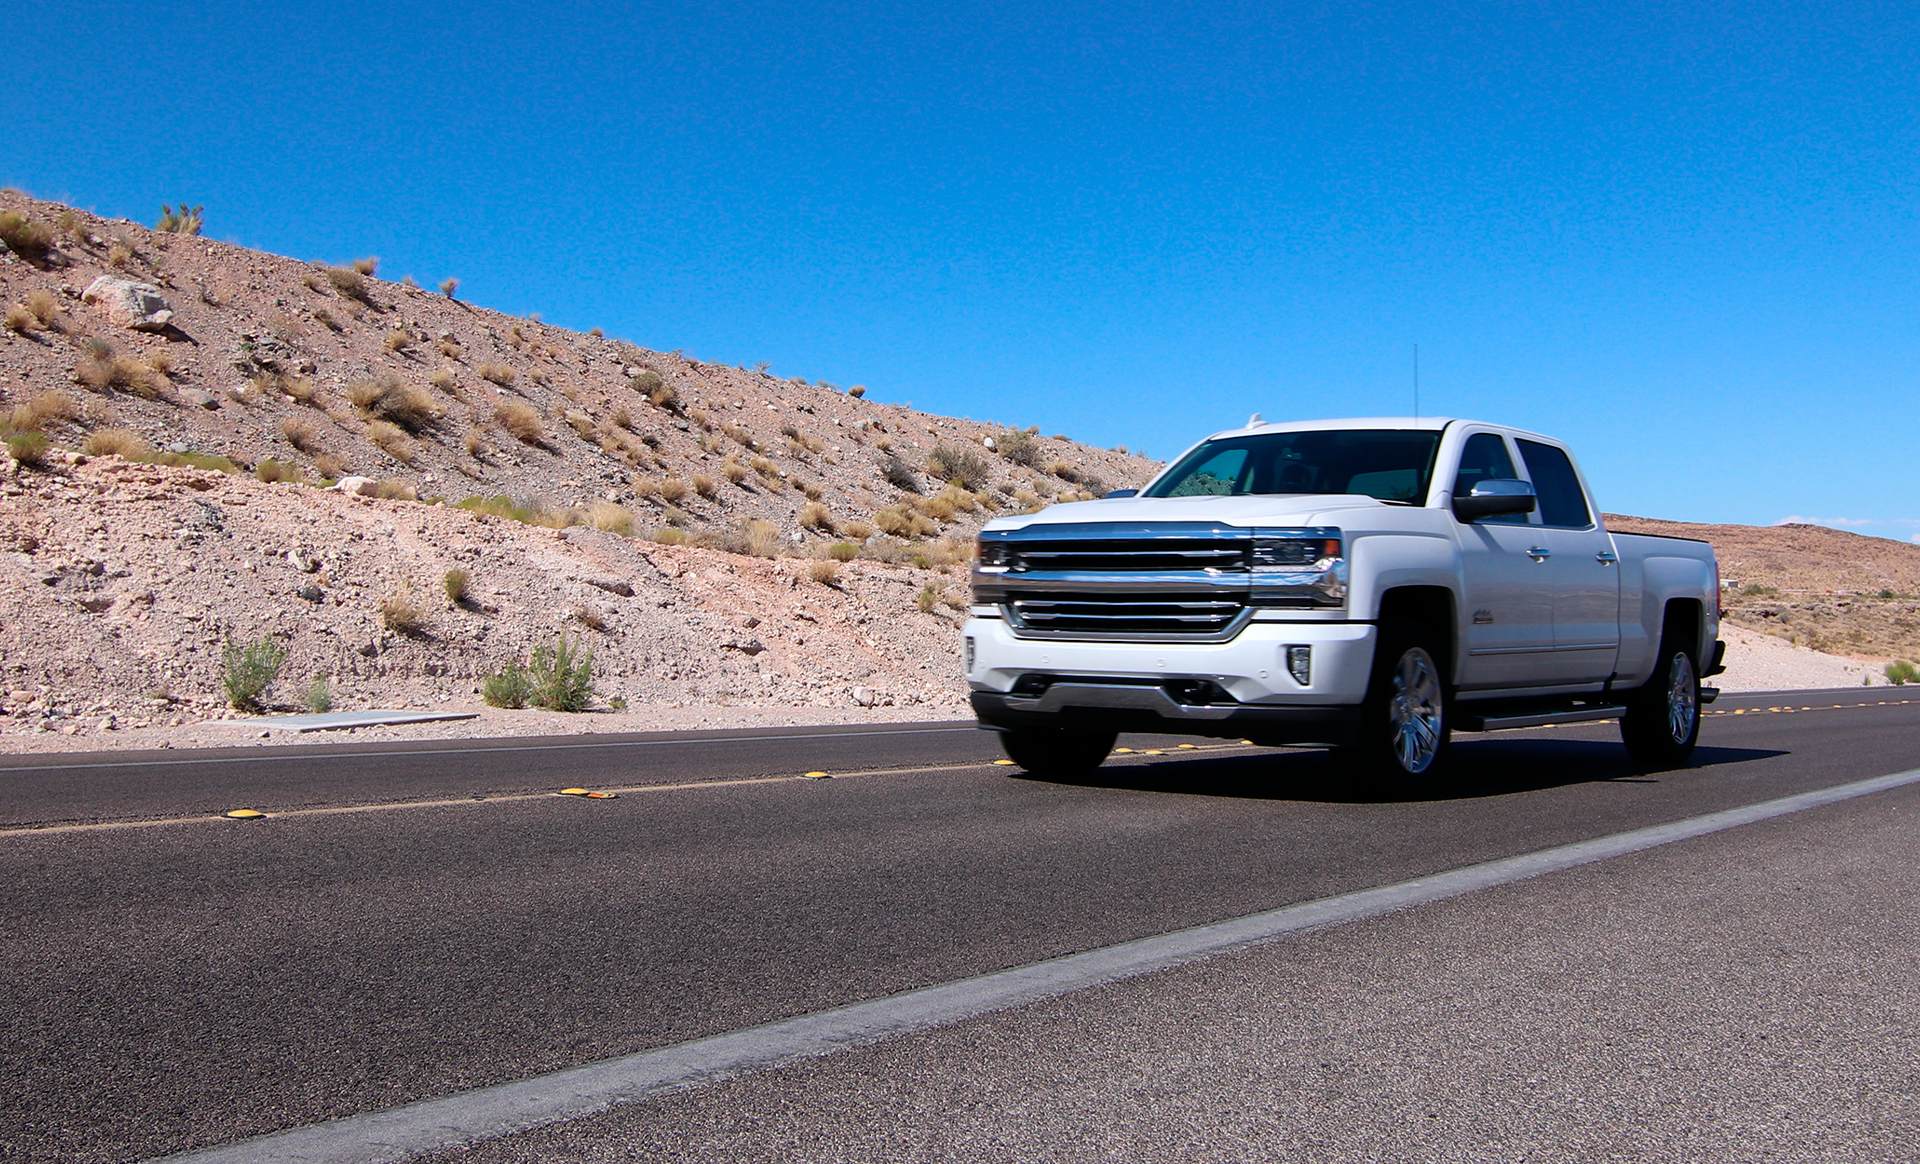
(1390, 464)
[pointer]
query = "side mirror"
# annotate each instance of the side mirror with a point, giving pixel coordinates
(1122, 492)
(1493, 497)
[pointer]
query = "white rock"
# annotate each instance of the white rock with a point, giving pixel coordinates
(360, 486)
(988, 441)
(139, 306)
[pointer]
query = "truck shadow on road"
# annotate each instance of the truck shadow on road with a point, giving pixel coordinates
(1480, 768)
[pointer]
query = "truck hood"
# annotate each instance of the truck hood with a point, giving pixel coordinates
(1270, 510)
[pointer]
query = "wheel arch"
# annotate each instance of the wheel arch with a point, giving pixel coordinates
(1431, 607)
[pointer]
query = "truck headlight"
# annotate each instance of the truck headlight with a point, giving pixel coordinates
(1299, 567)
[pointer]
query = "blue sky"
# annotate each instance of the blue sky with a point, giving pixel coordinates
(1681, 236)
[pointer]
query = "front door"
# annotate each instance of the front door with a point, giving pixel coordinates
(1509, 589)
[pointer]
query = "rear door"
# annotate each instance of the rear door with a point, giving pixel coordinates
(1586, 573)
(1509, 589)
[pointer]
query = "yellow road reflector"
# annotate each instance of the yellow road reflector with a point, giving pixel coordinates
(246, 814)
(603, 796)
(1189, 747)
(1123, 751)
(818, 776)
(1153, 752)
(573, 792)
(1004, 763)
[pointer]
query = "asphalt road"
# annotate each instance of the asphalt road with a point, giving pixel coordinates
(194, 981)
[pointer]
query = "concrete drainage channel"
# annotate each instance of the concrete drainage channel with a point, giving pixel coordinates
(338, 720)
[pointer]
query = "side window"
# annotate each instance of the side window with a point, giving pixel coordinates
(1217, 476)
(1485, 458)
(1558, 487)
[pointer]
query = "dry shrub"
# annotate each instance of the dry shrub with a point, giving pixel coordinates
(396, 489)
(700, 417)
(590, 616)
(581, 424)
(843, 551)
(939, 508)
(521, 422)
(960, 499)
(300, 433)
(322, 317)
(455, 583)
(475, 442)
(101, 370)
(763, 537)
(814, 515)
(733, 470)
(45, 308)
(928, 598)
(704, 485)
(811, 491)
(351, 284)
(884, 444)
(398, 340)
(674, 489)
(610, 517)
(450, 349)
(449, 286)
(738, 435)
(388, 397)
(1018, 446)
(903, 521)
(43, 408)
(622, 419)
(899, 474)
(401, 614)
(1028, 501)
(20, 320)
(329, 465)
(670, 536)
(859, 531)
(271, 471)
(116, 442)
(160, 361)
(366, 266)
(392, 440)
(824, 571)
(1064, 470)
(857, 391)
(949, 462)
(24, 237)
(442, 378)
(499, 374)
(765, 467)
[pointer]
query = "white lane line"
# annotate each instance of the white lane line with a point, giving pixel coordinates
(500, 744)
(491, 1112)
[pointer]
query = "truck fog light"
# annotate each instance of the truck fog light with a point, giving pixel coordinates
(969, 655)
(1300, 665)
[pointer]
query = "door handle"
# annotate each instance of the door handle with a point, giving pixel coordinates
(1606, 557)
(1539, 553)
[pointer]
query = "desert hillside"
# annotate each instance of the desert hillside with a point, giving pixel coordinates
(211, 446)
(1827, 589)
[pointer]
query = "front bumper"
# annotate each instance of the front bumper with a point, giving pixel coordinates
(1144, 687)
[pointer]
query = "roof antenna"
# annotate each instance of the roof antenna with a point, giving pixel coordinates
(1416, 381)
(1254, 421)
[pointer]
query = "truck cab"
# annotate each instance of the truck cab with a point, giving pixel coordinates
(1371, 585)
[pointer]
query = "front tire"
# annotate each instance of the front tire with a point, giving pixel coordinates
(1059, 753)
(1405, 736)
(1662, 721)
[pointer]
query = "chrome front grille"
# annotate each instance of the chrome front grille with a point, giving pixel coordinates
(1127, 615)
(1211, 554)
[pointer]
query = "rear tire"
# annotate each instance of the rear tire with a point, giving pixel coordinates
(1662, 721)
(1405, 734)
(1057, 752)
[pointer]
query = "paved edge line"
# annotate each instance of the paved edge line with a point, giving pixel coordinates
(502, 744)
(487, 1113)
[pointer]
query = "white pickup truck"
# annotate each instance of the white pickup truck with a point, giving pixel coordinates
(1369, 585)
